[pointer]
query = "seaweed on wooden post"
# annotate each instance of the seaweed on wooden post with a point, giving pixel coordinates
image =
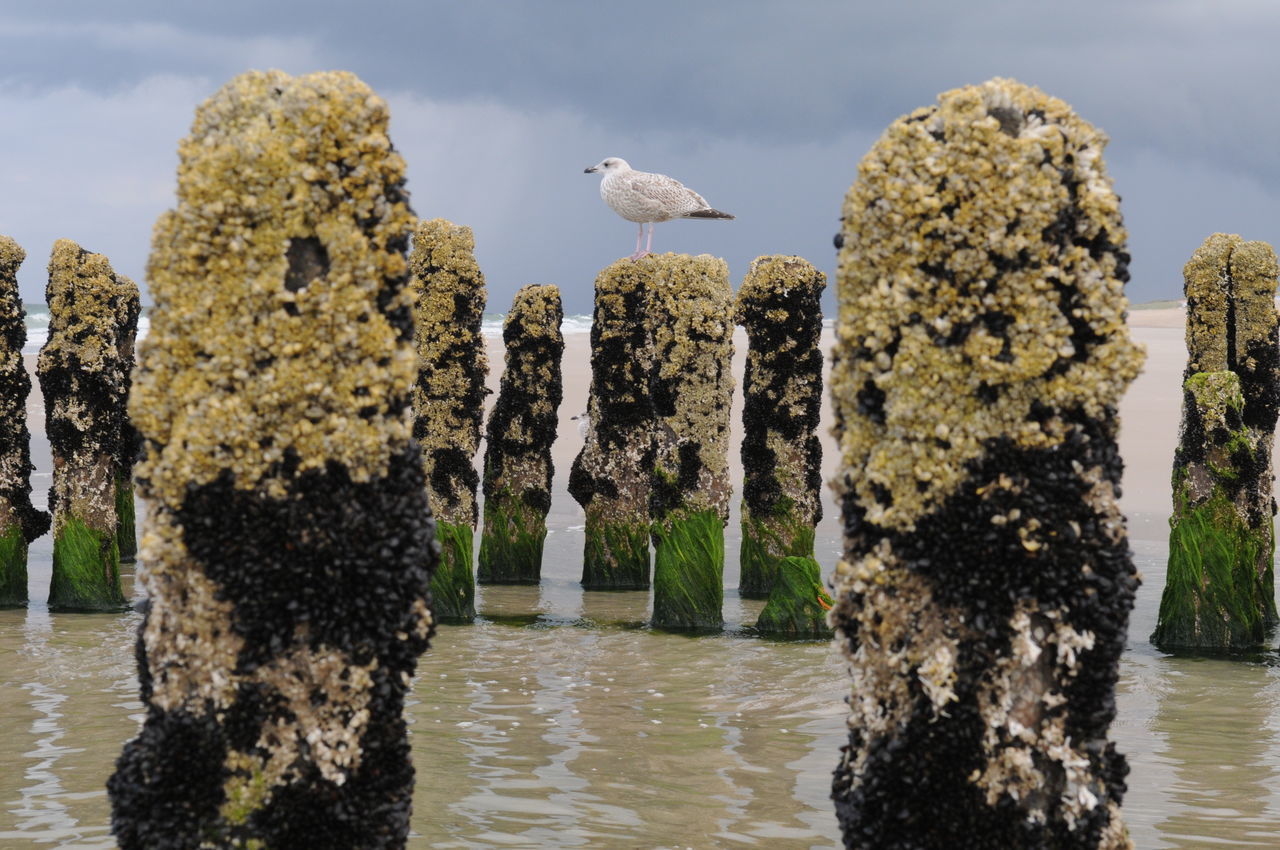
(611, 477)
(1220, 588)
(449, 400)
(83, 380)
(287, 545)
(20, 522)
(798, 603)
(518, 439)
(984, 595)
(779, 305)
(692, 387)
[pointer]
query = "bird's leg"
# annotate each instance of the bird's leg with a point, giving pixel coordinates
(638, 254)
(639, 233)
(648, 245)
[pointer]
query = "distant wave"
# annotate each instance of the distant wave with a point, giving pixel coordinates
(491, 325)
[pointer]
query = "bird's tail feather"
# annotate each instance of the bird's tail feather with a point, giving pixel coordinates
(709, 214)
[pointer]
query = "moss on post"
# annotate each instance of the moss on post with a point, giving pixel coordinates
(984, 595)
(612, 476)
(20, 523)
(692, 387)
(518, 439)
(287, 544)
(798, 603)
(779, 305)
(82, 374)
(1219, 590)
(448, 400)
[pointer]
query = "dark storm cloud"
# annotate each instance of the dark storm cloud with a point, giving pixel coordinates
(764, 107)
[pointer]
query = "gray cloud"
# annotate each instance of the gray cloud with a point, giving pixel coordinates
(498, 106)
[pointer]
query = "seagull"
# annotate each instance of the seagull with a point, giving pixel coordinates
(643, 197)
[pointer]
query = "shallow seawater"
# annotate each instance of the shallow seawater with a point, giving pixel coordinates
(560, 720)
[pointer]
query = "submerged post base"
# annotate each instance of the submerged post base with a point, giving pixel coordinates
(453, 587)
(798, 604)
(688, 572)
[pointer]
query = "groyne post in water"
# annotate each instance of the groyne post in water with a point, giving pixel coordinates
(798, 603)
(130, 442)
(20, 522)
(611, 477)
(779, 305)
(1220, 590)
(287, 546)
(692, 388)
(449, 400)
(518, 439)
(984, 595)
(82, 375)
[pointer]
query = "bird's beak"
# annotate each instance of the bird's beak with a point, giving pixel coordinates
(591, 170)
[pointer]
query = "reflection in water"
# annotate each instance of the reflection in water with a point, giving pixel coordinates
(559, 720)
(1216, 719)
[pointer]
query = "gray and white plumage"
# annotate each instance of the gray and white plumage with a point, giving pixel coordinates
(647, 198)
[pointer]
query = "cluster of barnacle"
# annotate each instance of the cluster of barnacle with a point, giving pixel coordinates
(519, 435)
(692, 315)
(778, 305)
(1223, 508)
(611, 476)
(449, 394)
(20, 521)
(289, 545)
(983, 600)
(83, 373)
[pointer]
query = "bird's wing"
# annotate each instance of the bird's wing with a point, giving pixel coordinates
(667, 194)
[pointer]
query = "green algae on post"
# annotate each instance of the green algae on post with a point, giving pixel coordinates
(287, 545)
(984, 595)
(798, 603)
(82, 374)
(1220, 588)
(611, 477)
(779, 305)
(518, 439)
(20, 522)
(692, 388)
(448, 399)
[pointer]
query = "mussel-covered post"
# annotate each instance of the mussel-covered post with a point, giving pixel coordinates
(82, 376)
(611, 477)
(692, 388)
(518, 439)
(287, 544)
(983, 600)
(129, 443)
(449, 400)
(20, 522)
(779, 305)
(1219, 590)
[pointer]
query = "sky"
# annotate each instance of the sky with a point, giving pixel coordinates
(765, 108)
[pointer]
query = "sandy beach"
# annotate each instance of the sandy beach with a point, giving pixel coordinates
(1149, 417)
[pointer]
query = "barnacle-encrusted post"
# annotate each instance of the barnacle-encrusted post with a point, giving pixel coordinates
(20, 523)
(779, 305)
(129, 443)
(692, 387)
(611, 477)
(287, 544)
(449, 400)
(518, 439)
(984, 596)
(1220, 591)
(81, 373)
